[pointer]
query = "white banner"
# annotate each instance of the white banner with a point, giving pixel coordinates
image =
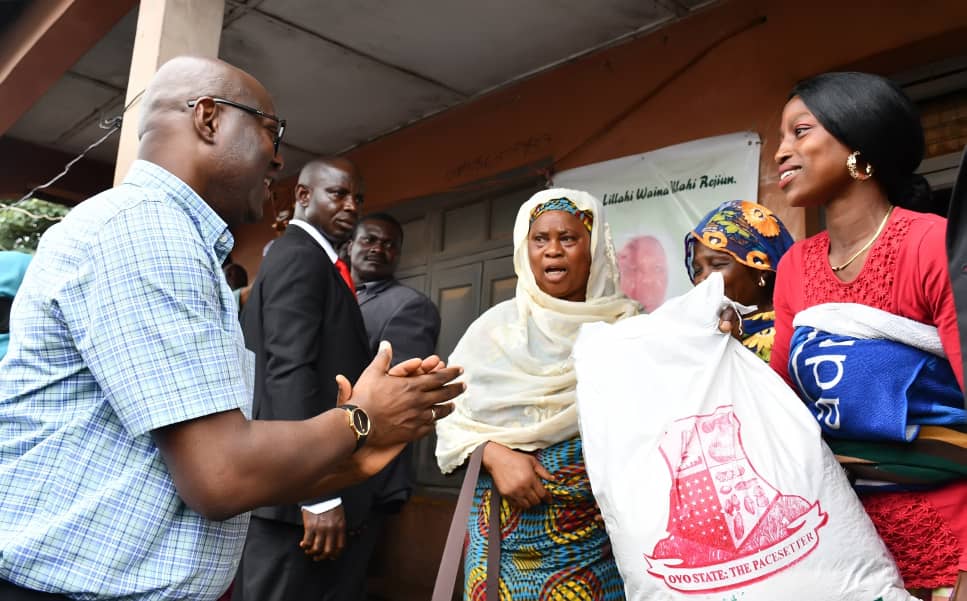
(653, 199)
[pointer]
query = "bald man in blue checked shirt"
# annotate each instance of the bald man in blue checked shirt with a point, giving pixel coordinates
(127, 463)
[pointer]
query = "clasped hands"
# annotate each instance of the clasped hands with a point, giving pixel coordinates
(403, 403)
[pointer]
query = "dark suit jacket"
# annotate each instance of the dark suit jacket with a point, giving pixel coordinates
(304, 326)
(957, 250)
(405, 317)
(411, 323)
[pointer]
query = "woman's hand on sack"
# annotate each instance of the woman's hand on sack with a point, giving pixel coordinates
(517, 475)
(730, 322)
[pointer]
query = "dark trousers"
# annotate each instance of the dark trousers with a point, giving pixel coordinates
(274, 568)
(12, 592)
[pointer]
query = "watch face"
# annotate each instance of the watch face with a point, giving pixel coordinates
(361, 421)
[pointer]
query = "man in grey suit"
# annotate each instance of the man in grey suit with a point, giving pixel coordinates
(393, 312)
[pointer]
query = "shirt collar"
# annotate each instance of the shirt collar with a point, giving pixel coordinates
(211, 227)
(317, 236)
(374, 285)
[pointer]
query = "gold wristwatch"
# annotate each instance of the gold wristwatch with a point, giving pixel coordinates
(359, 423)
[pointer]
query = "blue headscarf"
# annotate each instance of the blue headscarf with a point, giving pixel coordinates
(749, 232)
(13, 266)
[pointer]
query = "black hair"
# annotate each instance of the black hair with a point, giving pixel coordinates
(380, 217)
(871, 114)
(236, 276)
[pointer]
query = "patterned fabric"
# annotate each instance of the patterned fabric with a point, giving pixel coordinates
(123, 324)
(550, 551)
(566, 205)
(758, 333)
(919, 537)
(936, 456)
(747, 231)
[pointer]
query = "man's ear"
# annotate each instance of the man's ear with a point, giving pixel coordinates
(205, 119)
(302, 194)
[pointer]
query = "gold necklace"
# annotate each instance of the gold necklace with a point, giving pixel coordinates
(866, 246)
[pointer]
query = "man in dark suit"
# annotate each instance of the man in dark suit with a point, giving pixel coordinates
(304, 325)
(393, 312)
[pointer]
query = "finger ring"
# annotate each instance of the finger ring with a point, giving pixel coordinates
(433, 413)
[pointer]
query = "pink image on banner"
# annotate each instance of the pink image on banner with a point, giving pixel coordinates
(727, 526)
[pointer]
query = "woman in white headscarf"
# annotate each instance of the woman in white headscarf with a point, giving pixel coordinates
(520, 403)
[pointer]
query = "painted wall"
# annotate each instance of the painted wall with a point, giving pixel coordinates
(724, 69)
(25, 166)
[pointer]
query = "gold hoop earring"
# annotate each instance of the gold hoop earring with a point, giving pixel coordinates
(851, 167)
(762, 281)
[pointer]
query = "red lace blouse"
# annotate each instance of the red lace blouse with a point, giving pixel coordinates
(906, 274)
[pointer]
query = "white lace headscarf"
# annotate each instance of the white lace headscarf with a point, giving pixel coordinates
(517, 356)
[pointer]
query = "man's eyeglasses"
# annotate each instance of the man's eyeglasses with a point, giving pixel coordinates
(248, 109)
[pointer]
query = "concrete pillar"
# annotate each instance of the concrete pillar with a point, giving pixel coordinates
(166, 29)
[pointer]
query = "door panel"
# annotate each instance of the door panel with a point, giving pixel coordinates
(465, 227)
(456, 292)
(416, 243)
(499, 281)
(416, 282)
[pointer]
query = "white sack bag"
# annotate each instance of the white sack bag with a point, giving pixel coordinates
(711, 474)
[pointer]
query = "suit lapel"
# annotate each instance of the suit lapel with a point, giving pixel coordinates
(304, 238)
(337, 282)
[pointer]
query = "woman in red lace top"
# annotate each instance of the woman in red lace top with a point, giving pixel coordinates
(850, 142)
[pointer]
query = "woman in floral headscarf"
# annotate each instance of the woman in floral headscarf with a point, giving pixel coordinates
(744, 242)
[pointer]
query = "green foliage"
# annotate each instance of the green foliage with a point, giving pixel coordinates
(22, 223)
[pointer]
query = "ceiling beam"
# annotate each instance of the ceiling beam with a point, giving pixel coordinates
(48, 38)
(355, 51)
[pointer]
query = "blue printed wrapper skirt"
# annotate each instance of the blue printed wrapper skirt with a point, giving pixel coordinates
(553, 551)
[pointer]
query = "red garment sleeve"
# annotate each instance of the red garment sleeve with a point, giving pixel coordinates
(937, 296)
(783, 298)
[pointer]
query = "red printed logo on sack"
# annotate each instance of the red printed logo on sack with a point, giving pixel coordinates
(727, 526)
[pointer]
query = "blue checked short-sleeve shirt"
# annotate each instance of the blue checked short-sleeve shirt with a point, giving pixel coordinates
(123, 324)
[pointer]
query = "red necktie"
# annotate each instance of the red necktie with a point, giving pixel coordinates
(344, 272)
